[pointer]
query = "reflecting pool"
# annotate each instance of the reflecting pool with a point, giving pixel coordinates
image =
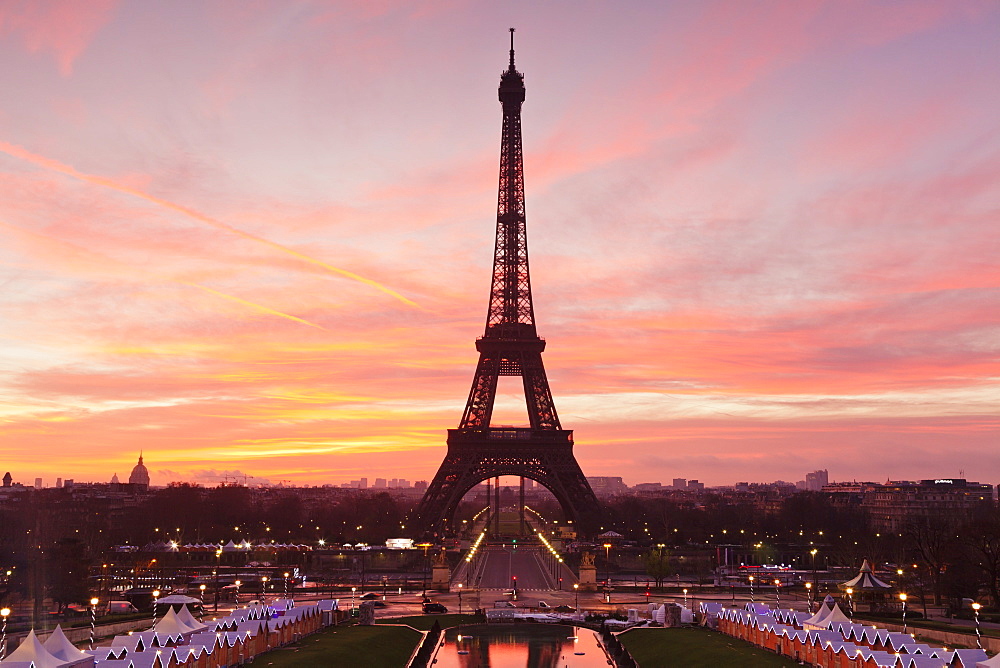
(520, 645)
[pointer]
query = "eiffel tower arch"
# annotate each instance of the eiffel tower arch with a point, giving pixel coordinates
(510, 346)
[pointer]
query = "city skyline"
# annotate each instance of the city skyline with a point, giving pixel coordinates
(258, 240)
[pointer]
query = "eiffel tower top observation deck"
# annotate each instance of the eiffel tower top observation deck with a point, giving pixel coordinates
(510, 346)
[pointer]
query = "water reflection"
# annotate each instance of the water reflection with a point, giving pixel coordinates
(517, 645)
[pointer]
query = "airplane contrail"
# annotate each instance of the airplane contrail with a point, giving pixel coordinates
(108, 261)
(54, 165)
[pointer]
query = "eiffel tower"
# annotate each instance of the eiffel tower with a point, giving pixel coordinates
(510, 346)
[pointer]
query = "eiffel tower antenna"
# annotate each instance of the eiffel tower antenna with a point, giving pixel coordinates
(511, 48)
(510, 346)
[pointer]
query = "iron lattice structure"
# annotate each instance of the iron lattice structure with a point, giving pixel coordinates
(510, 346)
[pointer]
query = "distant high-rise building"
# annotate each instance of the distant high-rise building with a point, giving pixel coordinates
(680, 483)
(38, 483)
(695, 486)
(364, 483)
(380, 483)
(58, 483)
(816, 480)
(139, 476)
(607, 485)
(420, 485)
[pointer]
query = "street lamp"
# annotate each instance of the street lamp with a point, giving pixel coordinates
(777, 587)
(4, 613)
(353, 590)
(751, 589)
(156, 598)
(576, 588)
(607, 563)
(238, 583)
(979, 637)
(685, 598)
(459, 598)
(218, 565)
(809, 593)
(812, 553)
(850, 604)
(93, 620)
(902, 597)
(263, 587)
(286, 585)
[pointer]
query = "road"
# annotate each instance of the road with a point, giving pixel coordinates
(503, 562)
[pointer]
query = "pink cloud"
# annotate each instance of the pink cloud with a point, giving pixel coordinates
(63, 29)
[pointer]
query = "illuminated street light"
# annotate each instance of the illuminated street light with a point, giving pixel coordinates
(850, 604)
(809, 592)
(4, 613)
(979, 636)
(902, 598)
(156, 597)
(93, 620)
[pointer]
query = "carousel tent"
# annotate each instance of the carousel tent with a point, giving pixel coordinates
(865, 580)
(177, 599)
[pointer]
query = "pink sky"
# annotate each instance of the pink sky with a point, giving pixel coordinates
(256, 236)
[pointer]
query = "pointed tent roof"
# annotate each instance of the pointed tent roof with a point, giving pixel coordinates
(31, 650)
(828, 613)
(170, 625)
(187, 619)
(865, 580)
(59, 646)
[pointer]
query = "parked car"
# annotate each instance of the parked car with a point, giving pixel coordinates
(435, 608)
(503, 604)
(543, 605)
(369, 596)
(564, 608)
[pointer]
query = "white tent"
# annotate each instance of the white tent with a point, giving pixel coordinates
(829, 613)
(170, 626)
(187, 619)
(990, 663)
(31, 651)
(59, 646)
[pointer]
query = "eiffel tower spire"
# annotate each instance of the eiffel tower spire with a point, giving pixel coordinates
(510, 346)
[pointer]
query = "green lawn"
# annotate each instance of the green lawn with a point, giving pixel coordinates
(425, 622)
(696, 648)
(369, 646)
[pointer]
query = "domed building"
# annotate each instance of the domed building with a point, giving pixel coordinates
(139, 476)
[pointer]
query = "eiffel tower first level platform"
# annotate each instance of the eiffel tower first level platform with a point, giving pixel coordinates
(510, 346)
